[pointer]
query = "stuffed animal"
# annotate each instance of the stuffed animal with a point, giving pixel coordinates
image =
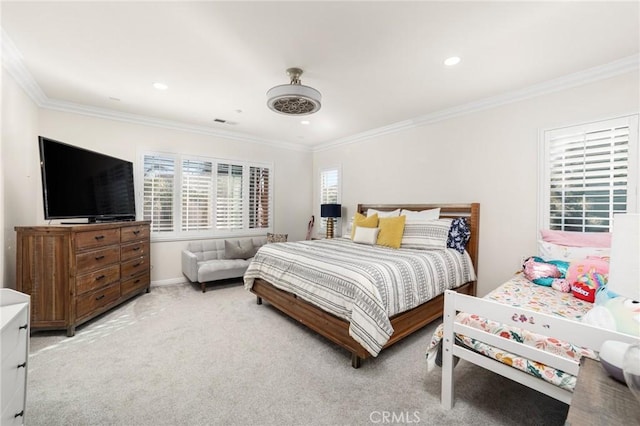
(615, 313)
(549, 273)
(587, 275)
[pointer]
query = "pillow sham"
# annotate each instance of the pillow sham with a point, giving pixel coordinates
(412, 216)
(459, 234)
(577, 239)
(366, 235)
(240, 249)
(391, 231)
(551, 251)
(277, 238)
(426, 235)
(380, 213)
(364, 222)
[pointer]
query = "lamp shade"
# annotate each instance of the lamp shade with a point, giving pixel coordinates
(624, 266)
(330, 210)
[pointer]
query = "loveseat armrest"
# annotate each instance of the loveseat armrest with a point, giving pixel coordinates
(190, 265)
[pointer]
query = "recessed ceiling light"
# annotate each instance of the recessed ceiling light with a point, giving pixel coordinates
(451, 61)
(160, 86)
(305, 122)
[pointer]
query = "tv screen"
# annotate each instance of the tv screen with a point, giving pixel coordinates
(78, 183)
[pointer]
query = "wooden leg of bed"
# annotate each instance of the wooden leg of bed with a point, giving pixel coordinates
(355, 360)
(258, 300)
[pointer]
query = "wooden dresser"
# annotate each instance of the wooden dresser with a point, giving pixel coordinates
(76, 272)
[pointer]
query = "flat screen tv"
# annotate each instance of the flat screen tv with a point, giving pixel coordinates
(78, 183)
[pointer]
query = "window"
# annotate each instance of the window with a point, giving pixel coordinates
(190, 197)
(329, 189)
(590, 173)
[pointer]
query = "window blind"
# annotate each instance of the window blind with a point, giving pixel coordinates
(589, 169)
(159, 175)
(229, 202)
(197, 191)
(259, 196)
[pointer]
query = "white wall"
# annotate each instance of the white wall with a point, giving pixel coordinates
(488, 156)
(19, 154)
(23, 190)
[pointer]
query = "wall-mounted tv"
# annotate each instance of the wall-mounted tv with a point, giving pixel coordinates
(78, 183)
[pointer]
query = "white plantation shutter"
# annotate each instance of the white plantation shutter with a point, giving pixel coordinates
(197, 195)
(229, 201)
(329, 189)
(259, 197)
(159, 175)
(591, 174)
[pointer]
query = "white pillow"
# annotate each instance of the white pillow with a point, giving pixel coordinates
(393, 213)
(420, 216)
(551, 251)
(366, 235)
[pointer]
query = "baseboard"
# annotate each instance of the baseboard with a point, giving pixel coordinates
(170, 281)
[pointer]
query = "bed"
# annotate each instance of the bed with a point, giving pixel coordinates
(528, 333)
(348, 325)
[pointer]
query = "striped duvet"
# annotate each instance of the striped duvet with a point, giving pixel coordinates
(365, 285)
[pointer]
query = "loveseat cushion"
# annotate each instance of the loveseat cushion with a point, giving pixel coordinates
(213, 270)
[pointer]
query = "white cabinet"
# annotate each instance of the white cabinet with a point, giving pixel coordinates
(14, 345)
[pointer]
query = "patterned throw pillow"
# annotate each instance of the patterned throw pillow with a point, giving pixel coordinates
(459, 234)
(426, 235)
(277, 238)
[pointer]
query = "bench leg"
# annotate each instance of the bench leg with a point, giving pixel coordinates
(258, 300)
(203, 286)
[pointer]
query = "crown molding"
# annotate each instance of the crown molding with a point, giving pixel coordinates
(12, 62)
(612, 69)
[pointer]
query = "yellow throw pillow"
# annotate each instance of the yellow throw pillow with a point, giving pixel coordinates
(391, 230)
(364, 222)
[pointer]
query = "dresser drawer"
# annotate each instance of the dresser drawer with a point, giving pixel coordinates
(97, 259)
(90, 302)
(13, 408)
(97, 279)
(13, 374)
(134, 267)
(133, 250)
(134, 284)
(137, 232)
(14, 333)
(102, 238)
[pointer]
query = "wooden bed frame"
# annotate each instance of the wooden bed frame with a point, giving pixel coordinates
(337, 329)
(564, 329)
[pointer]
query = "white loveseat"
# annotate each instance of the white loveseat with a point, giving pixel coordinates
(219, 259)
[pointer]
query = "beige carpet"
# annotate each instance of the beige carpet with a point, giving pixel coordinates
(177, 356)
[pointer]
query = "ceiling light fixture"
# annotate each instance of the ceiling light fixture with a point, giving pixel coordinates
(160, 86)
(305, 122)
(294, 98)
(454, 60)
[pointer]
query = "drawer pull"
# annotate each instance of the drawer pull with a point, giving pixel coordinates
(99, 237)
(100, 297)
(138, 264)
(101, 277)
(136, 232)
(23, 327)
(136, 281)
(23, 365)
(99, 257)
(20, 414)
(135, 248)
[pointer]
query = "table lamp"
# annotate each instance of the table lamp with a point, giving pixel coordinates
(624, 280)
(330, 211)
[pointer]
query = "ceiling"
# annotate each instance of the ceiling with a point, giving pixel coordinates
(377, 64)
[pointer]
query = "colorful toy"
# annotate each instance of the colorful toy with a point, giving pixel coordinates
(546, 273)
